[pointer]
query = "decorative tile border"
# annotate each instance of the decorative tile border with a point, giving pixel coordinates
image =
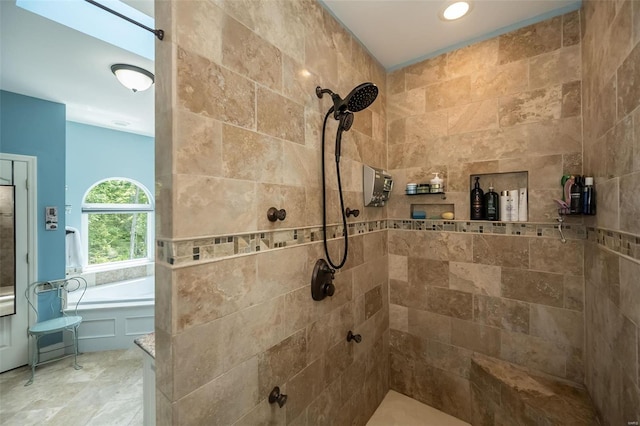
(528, 229)
(199, 250)
(186, 252)
(620, 242)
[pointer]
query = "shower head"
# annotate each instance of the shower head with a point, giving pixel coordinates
(361, 97)
(357, 100)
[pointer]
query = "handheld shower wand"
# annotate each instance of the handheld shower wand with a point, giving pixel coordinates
(361, 97)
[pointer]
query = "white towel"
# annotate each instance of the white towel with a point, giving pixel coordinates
(73, 248)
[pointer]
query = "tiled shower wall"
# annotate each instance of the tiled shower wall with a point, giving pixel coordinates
(238, 131)
(611, 94)
(511, 103)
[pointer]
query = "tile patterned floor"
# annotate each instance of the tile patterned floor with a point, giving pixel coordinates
(400, 410)
(107, 391)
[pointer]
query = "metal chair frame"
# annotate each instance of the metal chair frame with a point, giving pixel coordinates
(61, 322)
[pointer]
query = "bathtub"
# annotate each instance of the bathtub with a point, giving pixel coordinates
(115, 314)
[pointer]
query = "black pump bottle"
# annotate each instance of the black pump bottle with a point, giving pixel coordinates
(477, 201)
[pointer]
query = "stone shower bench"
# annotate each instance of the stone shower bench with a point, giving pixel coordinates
(505, 394)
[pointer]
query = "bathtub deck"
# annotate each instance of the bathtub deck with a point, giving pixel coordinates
(400, 410)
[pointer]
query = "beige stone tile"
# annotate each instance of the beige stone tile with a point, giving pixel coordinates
(197, 361)
(223, 400)
(499, 81)
(281, 271)
(424, 127)
(453, 303)
(480, 115)
(629, 203)
(251, 156)
(619, 146)
(636, 131)
(198, 145)
(473, 59)
(476, 337)
(530, 107)
(395, 82)
(543, 171)
(397, 409)
(533, 352)
(636, 23)
(406, 104)
(571, 28)
(532, 286)
(198, 196)
(252, 330)
(369, 275)
(604, 112)
(628, 90)
(320, 56)
(193, 24)
(427, 272)
(374, 246)
(202, 85)
(212, 290)
(608, 199)
(329, 330)
(280, 117)
(164, 298)
(554, 136)
(398, 267)
(263, 414)
(282, 361)
(571, 99)
(427, 72)
(449, 358)
(306, 385)
(475, 278)
(551, 255)
(299, 84)
(448, 94)
(247, 54)
(557, 67)
(428, 325)
(399, 318)
(501, 251)
(530, 41)
(372, 302)
(572, 163)
(563, 327)
(290, 198)
(455, 396)
(280, 23)
(574, 292)
(629, 294)
(503, 313)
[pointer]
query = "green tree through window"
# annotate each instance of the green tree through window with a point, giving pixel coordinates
(118, 221)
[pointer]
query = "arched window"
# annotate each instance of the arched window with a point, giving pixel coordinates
(117, 219)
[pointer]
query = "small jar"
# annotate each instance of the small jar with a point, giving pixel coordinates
(412, 188)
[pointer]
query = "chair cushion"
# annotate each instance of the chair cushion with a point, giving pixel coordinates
(55, 324)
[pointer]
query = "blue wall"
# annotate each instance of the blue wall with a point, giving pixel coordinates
(96, 153)
(30, 126)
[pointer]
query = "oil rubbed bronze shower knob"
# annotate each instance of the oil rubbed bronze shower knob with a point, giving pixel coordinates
(274, 214)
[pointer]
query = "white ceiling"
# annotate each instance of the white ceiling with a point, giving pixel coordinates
(44, 59)
(400, 32)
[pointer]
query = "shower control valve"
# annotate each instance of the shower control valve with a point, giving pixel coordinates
(354, 212)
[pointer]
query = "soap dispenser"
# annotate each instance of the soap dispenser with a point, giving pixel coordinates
(437, 184)
(477, 201)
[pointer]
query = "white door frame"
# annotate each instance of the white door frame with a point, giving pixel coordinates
(32, 232)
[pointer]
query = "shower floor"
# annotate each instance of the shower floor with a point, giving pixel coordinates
(400, 410)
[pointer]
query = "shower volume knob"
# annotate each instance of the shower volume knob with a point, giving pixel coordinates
(329, 289)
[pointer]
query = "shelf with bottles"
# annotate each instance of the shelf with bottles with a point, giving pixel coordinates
(580, 196)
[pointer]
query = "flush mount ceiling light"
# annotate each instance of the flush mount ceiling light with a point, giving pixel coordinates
(132, 77)
(455, 10)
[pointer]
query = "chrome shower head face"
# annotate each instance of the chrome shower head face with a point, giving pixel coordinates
(361, 97)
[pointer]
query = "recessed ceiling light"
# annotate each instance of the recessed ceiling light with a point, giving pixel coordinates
(120, 123)
(456, 10)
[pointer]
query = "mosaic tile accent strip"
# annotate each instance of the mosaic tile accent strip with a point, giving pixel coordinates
(527, 229)
(620, 242)
(188, 252)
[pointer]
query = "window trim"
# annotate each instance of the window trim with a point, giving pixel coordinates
(106, 208)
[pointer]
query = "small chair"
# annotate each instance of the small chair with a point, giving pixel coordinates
(48, 299)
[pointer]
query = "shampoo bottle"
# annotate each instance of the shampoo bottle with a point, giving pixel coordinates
(588, 197)
(523, 207)
(477, 201)
(491, 205)
(575, 194)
